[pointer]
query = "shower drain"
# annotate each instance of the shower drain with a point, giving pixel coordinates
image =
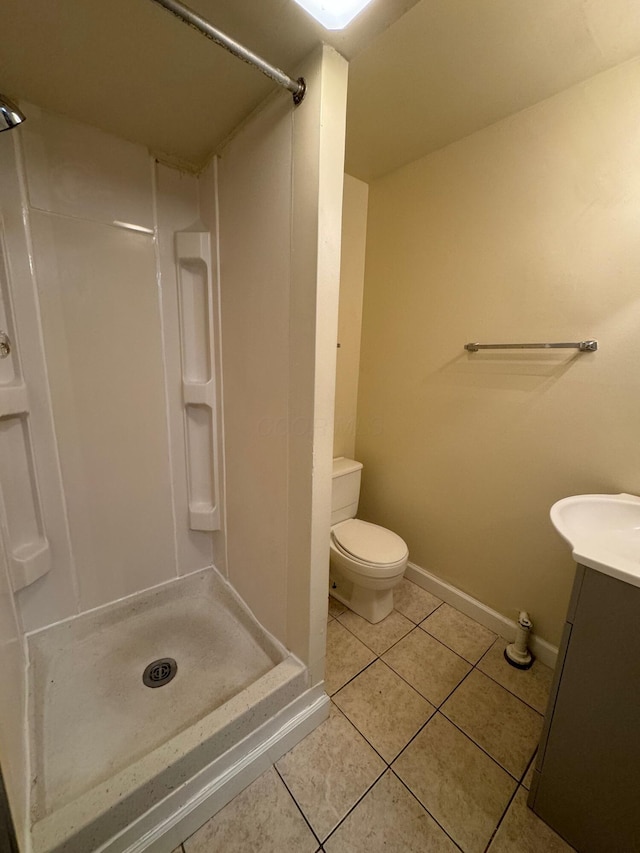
(159, 672)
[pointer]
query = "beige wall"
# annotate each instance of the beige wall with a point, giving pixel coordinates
(527, 230)
(354, 238)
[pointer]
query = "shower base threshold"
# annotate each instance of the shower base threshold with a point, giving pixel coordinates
(120, 766)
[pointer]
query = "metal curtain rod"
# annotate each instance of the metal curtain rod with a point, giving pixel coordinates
(583, 346)
(296, 87)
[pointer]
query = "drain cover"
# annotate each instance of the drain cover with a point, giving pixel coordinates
(159, 672)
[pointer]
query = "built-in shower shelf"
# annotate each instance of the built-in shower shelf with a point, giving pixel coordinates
(21, 513)
(198, 393)
(203, 517)
(13, 400)
(29, 562)
(195, 297)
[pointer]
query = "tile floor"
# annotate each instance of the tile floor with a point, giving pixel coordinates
(428, 747)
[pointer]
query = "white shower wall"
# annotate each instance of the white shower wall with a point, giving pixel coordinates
(255, 273)
(90, 222)
(280, 198)
(106, 292)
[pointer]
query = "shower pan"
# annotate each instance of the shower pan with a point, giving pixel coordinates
(112, 753)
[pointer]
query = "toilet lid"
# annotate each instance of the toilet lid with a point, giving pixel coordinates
(369, 542)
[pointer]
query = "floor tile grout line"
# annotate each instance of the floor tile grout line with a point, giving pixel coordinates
(299, 807)
(502, 685)
(375, 749)
(435, 710)
(395, 643)
(468, 736)
(422, 805)
(419, 625)
(502, 817)
(353, 677)
(482, 672)
(395, 609)
(498, 638)
(529, 764)
(435, 706)
(515, 779)
(410, 741)
(438, 710)
(444, 645)
(470, 739)
(518, 781)
(339, 709)
(424, 617)
(467, 618)
(362, 735)
(431, 716)
(408, 683)
(356, 804)
(518, 784)
(442, 642)
(373, 651)
(388, 764)
(459, 684)
(380, 654)
(380, 658)
(524, 702)
(439, 706)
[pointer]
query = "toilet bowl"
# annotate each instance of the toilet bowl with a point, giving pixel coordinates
(366, 561)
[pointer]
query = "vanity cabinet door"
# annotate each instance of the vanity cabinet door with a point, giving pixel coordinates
(588, 784)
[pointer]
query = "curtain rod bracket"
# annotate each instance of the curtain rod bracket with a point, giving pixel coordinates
(298, 97)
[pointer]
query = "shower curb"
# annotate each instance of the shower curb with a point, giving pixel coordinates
(179, 815)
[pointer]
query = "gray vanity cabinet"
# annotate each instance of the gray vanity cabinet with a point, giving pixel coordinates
(586, 784)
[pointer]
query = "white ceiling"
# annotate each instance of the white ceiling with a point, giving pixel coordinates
(450, 67)
(422, 73)
(131, 67)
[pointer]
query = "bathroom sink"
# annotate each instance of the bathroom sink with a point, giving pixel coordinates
(603, 532)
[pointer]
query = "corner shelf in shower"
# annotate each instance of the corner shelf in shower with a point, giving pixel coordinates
(197, 336)
(21, 518)
(27, 546)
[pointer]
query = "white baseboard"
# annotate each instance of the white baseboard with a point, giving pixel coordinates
(545, 652)
(186, 809)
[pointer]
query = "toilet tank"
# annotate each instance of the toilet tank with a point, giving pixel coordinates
(346, 489)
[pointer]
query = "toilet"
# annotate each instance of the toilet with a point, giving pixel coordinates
(366, 561)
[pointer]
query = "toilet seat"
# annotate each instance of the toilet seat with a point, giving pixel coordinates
(369, 544)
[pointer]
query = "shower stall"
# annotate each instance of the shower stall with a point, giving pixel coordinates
(166, 402)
